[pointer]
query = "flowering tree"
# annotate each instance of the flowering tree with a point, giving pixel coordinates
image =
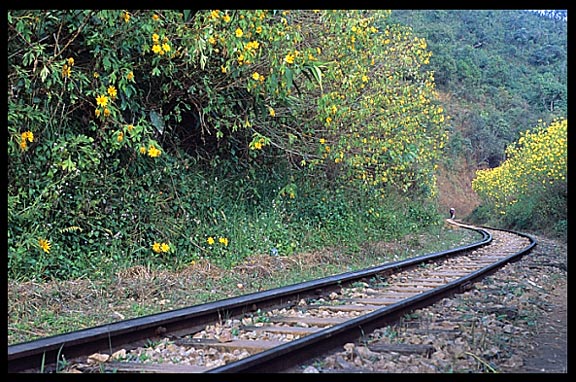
(100, 95)
(535, 168)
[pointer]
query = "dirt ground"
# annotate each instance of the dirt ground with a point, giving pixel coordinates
(547, 264)
(551, 353)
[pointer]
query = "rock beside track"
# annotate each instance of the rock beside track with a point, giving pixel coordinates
(514, 321)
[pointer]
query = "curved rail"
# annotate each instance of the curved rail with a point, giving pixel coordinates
(290, 354)
(186, 320)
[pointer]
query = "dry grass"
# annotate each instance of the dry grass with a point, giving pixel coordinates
(39, 309)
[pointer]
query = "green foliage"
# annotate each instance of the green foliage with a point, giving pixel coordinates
(151, 132)
(504, 70)
(529, 190)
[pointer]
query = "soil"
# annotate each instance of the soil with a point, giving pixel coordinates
(550, 345)
(551, 353)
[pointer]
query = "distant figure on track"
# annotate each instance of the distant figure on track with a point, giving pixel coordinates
(452, 212)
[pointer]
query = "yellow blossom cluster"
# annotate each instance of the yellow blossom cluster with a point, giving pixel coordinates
(384, 128)
(160, 247)
(222, 240)
(536, 161)
(67, 68)
(215, 15)
(152, 151)
(26, 136)
(158, 47)
(258, 142)
(103, 100)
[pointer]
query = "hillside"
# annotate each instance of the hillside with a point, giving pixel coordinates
(498, 72)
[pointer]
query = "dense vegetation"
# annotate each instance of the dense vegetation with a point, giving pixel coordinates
(162, 137)
(503, 71)
(529, 189)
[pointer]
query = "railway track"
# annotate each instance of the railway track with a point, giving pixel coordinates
(275, 330)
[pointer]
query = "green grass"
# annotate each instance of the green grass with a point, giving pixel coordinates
(50, 308)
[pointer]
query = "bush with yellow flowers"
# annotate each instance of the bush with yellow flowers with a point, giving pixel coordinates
(124, 123)
(529, 189)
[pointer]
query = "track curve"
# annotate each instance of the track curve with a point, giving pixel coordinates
(273, 330)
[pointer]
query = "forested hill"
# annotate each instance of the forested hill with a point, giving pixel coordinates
(500, 70)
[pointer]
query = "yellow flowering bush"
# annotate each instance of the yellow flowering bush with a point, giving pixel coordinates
(535, 166)
(126, 99)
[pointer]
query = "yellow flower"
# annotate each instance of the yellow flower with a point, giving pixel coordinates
(126, 16)
(252, 45)
(364, 78)
(155, 17)
(256, 76)
(155, 37)
(130, 76)
(226, 18)
(215, 14)
(70, 61)
(120, 137)
(212, 40)
(28, 135)
(223, 69)
(96, 75)
(142, 150)
(112, 91)
(289, 58)
(164, 247)
(239, 33)
(106, 112)
(44, 245)
(166, 47)
(328, 120)
(258, 29)
(272, 112)
(130, 127)
(66, 71)
(102, 101)
(156, 247)
(153, 152)
(223, 240)
(157, 49)
(210, 240)
(322, 141)
(23, 145)
(97, 112)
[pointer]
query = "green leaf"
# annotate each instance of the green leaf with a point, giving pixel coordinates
(106, 62)
(157, 122)
(316, 73)
(289, 75)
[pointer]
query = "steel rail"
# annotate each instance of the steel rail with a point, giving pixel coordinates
(110, 337)
(297, 351)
